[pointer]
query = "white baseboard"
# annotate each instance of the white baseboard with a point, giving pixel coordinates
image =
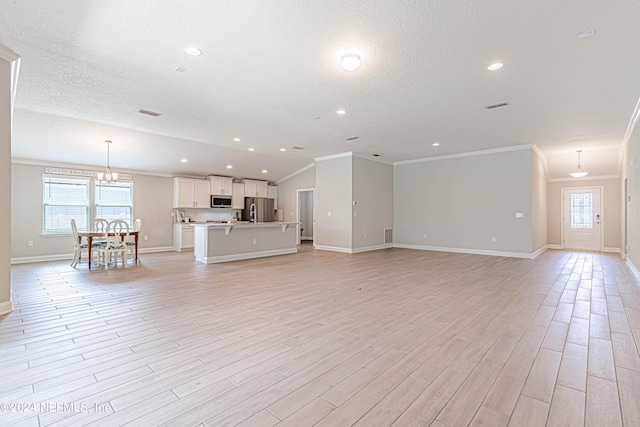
(466, 251)
(559, 247)
(6, 307)
(306, 238)
(250, 255)
(633, 269)
(539, 252)
(613, 250)
(371, 248)
(64, 257)
(333, 249)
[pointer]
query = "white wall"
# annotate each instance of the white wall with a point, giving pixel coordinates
(7, 79)
(611, 214)
(333, 203)
(152, 198)
(462, 202)
(373, 198)
(539, 205)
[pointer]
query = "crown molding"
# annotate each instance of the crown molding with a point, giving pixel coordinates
(334, 156)
(591, 178)
(543, 158)
(7, 54)
(467, 154)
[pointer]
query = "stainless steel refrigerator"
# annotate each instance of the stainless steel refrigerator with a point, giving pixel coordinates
(264, 210)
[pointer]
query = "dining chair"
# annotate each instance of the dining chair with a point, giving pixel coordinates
(100, 225)
(115, 243)
(131, 243)
(78, 247)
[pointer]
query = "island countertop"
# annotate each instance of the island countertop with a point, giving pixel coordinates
(220, 242)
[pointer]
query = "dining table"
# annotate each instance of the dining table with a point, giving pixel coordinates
(90, 235)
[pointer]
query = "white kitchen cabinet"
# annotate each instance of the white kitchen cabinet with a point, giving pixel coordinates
(254, 188)
(221, 185)
(272, 193)
(183, 235)
(237, 198)
(191, 193)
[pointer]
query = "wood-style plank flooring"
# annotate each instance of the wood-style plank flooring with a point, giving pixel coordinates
(388, 338)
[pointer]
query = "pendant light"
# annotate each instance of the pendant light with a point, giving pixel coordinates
(579, 173)
(107, 177)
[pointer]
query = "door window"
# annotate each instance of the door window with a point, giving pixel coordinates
(582, 211)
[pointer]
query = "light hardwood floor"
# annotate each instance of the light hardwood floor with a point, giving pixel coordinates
(393, 337)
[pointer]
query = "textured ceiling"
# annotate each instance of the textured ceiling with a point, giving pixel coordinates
(270, 76)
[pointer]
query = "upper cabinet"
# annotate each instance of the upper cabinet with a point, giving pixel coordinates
(221, 185)
(272, 193)
(237, 199)
(191, 193)
(255, 188)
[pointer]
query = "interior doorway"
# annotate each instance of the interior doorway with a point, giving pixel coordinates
(305, 216)
(582, 221)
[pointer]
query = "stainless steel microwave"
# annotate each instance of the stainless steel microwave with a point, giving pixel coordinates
(220, 201)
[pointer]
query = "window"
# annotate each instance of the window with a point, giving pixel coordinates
(582, 211)
(64, 199)
(114, 201)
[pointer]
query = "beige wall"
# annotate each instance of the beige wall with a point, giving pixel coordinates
(373, 198)
(152, 199)
(630, 171)
(462, 202)
(611, 215)
(539, 206)
(287, 192)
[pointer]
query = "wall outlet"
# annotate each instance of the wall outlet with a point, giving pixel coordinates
(328, 213)
(519, 214)
(30, 243)
(424, 235)
(255, 241)
(493, 239)
(365, 237)
(146, 237)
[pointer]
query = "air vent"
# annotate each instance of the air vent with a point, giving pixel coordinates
(295, 147)
(388, 236)
(352, 138)
(376, 155)
(501, 104)
(149, 113)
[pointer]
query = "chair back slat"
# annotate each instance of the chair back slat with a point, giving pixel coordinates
(100, 225)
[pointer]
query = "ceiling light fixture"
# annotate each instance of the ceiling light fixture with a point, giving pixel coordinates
(495, 66)
(350, 61)
(252, 149)
(341, 112)
(193, 51)
(283, 149)
(585, 34)
(229, 167)
(579, 173)
(236, 139)
(184, 160)
(107, 177)
(436, 144)
(264, 171)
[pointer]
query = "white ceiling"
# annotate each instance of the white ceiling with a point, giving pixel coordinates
(269, 69)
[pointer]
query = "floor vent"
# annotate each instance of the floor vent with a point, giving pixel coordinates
(388, 236)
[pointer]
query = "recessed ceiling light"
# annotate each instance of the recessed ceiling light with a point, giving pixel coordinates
(184, 160)
(341, 112)
(495, 66)
(229, 167)
(585, 34)
(193, 51)
(252, 149)
(236, 139)
(350, 61)
(264, 171)
(283, 149)
(436, 144)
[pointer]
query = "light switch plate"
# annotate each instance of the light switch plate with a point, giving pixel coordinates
(519, 214)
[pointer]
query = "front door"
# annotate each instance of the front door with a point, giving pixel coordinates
(582, 219)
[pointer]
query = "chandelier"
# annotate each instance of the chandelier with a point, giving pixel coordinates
(579, 173)
(107, 177)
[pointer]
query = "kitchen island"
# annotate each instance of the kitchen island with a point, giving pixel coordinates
(215, 243)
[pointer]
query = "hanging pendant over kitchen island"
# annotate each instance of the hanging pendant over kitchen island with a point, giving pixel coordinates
(235, 241)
